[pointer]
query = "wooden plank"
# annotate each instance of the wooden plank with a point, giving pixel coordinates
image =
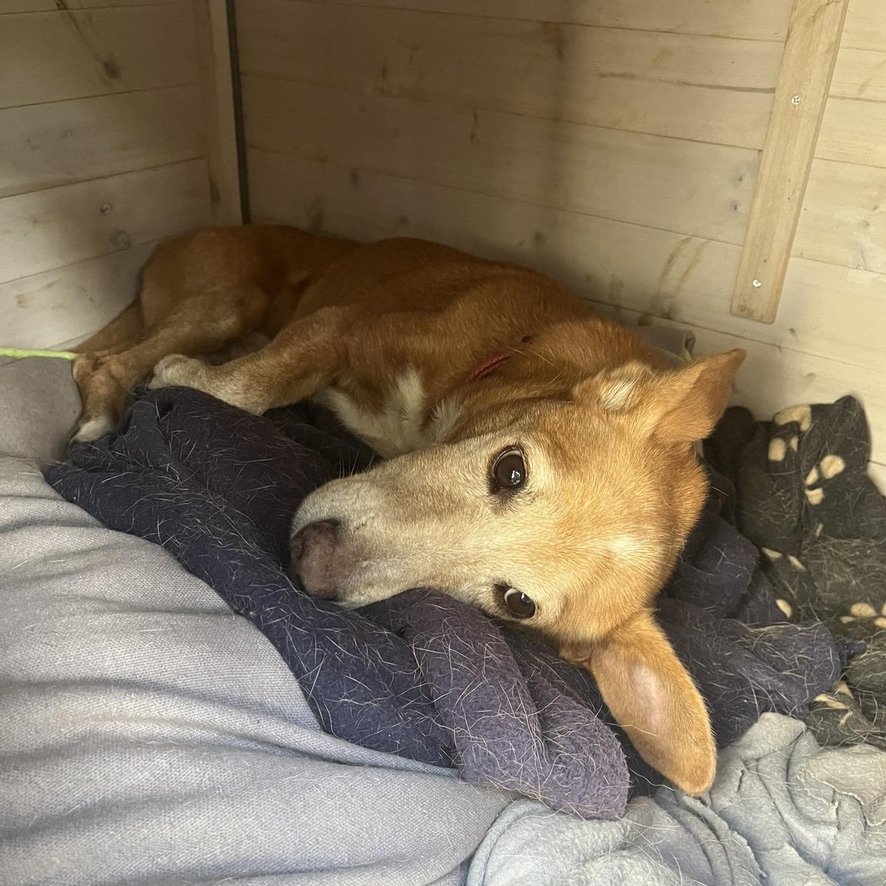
(67, 304)
(56, 56)
(51, 228)
(844, 216)
(18, 6)
(691, 188)
(213, 49)
(47, 145)
(703, 88)
(749, 19)
(860, 73)
(661, 274)
(865, 26)
(853, 131)
(803, 83)
(625, 264)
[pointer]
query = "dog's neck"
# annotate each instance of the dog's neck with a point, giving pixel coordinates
(533, 368)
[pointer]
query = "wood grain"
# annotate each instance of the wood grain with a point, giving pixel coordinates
(686, 187)
(51, 228)
(54, 56)
(804, 81)
(710, 89)
(58, 143)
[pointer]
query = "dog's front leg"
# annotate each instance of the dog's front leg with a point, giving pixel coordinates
(301, 360)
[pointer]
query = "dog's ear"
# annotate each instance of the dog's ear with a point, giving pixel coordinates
(653, 699)
(688, 404)
(679, 406)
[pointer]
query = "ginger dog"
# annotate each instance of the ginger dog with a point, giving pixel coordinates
(540, 459)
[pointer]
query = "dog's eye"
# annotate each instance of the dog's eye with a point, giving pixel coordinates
(517, 603)
(508, 470)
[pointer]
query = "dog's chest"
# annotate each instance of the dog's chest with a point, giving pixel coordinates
(399, 426)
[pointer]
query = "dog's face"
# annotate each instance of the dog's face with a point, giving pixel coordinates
(564, 515)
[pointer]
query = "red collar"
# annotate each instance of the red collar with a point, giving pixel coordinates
(485, 368)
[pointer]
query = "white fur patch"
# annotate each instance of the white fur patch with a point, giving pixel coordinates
(398, 427)
(93, 429)
(615, 396)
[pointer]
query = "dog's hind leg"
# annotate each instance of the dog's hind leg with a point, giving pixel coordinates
(199, 324)
(300, 361)
(122, 332)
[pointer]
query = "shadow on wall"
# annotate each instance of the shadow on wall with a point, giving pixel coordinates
(103, 154)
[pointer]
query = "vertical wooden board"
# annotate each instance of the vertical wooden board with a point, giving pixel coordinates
(807, 65)
(58, 226)
(687, 187)
(843, 221)
(47, 145)
(702, 88)
(71, 54)
(66, 305)
(213, 48)
(748, 19)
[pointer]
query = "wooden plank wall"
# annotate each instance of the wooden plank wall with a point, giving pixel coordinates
(614, 145)
(102, 153)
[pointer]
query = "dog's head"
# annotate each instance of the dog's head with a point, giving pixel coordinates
(566, 515)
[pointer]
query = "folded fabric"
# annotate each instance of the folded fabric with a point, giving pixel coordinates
(149, 737)
(782, 812)
(422, 675)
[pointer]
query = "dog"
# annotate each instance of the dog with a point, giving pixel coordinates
(539, 460)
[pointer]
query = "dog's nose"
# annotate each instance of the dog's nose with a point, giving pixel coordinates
(315, 555)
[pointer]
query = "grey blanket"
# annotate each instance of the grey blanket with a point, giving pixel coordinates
(783, 812)
(151, 738)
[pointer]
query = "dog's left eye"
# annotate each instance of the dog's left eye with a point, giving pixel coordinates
(508, 470)
(518, 604)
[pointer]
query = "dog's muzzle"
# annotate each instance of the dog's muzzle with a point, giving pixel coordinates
(319, 561)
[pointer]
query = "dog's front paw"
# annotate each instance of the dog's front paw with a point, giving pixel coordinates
(175, 369)
(91, 429)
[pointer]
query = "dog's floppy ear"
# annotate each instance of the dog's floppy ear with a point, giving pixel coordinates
(680, 405)
(653, 699)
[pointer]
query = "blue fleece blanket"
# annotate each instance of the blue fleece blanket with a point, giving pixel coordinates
(422, 675)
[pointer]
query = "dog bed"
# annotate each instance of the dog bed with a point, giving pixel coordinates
(158, 738)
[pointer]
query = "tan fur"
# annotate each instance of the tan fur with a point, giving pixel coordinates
(390, 335)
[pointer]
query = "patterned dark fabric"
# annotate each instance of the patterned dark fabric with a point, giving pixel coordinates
(805, 499)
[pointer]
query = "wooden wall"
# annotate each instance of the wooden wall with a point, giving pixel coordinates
(613, 143)
(104, 113)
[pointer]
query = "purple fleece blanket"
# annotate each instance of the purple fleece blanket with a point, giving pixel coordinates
(422, 675)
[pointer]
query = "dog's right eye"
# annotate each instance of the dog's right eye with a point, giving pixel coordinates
(518, 604)
(508, 471)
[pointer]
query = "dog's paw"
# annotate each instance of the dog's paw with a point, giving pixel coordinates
(175, 369)
(92, 429)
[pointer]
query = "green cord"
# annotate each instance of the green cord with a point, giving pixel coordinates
(26, 352)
